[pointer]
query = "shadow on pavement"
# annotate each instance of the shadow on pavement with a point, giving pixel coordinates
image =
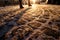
(10, 24)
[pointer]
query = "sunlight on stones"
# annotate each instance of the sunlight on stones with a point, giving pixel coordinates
(37, 22)
(34, 24)
(21, 21)
(42, 20)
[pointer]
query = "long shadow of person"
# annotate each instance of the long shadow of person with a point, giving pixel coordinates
(4, 29)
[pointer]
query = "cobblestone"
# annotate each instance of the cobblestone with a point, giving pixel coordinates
(41, 22)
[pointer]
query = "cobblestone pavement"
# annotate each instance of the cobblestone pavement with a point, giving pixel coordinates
(39, 22)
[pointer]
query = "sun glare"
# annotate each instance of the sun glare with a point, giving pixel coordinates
(34, 1)
(34, 6)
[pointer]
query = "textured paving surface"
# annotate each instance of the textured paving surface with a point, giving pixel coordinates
(40, 22)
